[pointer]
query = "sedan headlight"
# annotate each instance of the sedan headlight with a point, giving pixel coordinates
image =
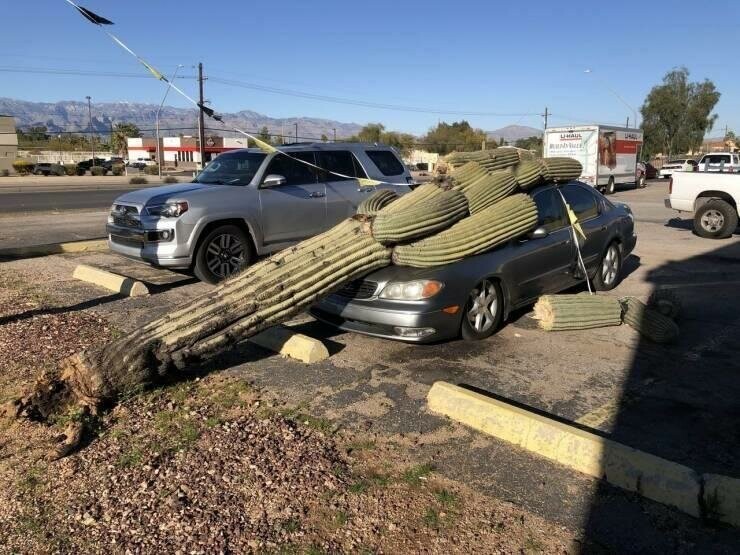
(168, 210)
(411, 290)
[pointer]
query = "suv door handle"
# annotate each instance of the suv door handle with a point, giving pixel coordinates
(317, 194)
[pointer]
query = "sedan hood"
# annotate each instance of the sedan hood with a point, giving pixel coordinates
(161, 193)
(403, 273)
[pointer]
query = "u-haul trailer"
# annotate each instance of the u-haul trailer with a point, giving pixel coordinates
(608, 154)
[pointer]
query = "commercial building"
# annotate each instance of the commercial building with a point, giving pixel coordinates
(181, 152)
(8, 142)
(423, 160)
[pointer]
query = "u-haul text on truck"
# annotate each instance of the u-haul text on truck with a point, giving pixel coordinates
(608, 154)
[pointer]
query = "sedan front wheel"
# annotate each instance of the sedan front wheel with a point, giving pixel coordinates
(483, 311)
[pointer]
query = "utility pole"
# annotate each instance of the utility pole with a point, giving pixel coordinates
(296, 131)
(335, 133)
(159, 111)
(201, 120)
(628, 122)
(59, 137)
(545, 116)
(92, 140)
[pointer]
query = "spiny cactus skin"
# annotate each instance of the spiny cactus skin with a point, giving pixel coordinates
(559, 169)
(666, 302)
(529, 174)
(509, 218)
(489, 190)
(422, 193)
(577, 312)
(375, 202)
(421, 219)
(649, 322)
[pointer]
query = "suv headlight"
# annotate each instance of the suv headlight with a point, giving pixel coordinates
(411, 290)
(168, 210)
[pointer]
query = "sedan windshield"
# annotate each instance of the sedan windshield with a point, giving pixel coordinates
(231, 168)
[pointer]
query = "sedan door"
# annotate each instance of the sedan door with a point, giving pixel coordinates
(296, 209)
(584, 202)
(542, 264)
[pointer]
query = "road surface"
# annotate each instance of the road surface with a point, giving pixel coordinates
(40, 201)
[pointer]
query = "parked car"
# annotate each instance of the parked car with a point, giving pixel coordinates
(720, 162)
(47, 168)
(85, 165)
(680, 165)
(641, 175)
(712, 197)
(646, 170)
(141, 163)
(247, 203)
(474, 296)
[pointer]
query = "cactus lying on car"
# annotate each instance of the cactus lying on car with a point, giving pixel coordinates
(649, 322)
(420, 219)
(375, 202)
(560, 169)
(577, 312)
(529, 173)
(422, 193)
(489, 190)
(482, 231)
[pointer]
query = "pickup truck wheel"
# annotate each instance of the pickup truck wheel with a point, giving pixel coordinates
(224, 251)
(610, 269)
(715, 219)
(610, 186)
(483, 311)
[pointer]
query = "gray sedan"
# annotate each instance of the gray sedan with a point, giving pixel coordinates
(472, 297)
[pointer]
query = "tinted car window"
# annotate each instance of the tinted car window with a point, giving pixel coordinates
(581, 200)
(231, 168)
(386, 161)
(339, 161)
(550, 210)
(716, 159)
(294, 172)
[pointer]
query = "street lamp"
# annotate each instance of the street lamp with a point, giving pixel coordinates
(296, 131)
(159, 110)
(616, 94)
(92, 142)
(59, 138)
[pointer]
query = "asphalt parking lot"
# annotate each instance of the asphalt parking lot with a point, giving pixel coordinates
(678, 401)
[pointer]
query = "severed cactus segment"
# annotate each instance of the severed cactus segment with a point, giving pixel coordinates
(561, 169)
(420, 194)
(509, 218)
(529, 174)
(649, 322)
(489, 190)
(420, 219)
(375, 202)
(577, 312)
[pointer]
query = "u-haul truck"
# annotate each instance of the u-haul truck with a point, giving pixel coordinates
(608, 154)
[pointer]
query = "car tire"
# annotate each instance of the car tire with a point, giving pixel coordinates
(483, 311)
(715, 219)
(609, 272)
(641, 181)
(610, 186)
(222, 252)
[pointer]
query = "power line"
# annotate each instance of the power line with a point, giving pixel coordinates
(79, 72)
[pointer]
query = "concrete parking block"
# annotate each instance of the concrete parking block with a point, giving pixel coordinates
(286, 342)
(722, 498)
(653, 477)
(103, 278)
(92, 245)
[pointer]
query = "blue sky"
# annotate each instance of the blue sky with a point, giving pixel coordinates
(508, 58)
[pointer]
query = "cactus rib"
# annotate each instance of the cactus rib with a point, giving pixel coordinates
(577, 312)
(375, 202)
(649, 322)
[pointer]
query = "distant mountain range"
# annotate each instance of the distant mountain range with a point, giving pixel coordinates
(70, 115)
(512, 133)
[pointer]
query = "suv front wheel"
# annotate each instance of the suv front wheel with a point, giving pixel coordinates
(224, 251)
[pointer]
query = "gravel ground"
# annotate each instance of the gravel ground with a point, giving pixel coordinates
(214, 465)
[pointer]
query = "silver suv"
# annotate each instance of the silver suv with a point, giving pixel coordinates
(246, 203)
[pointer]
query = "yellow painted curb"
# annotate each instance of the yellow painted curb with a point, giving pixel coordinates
(291, 344)
(653, 477)
(120, 284)
(93, 245)
(722, 498)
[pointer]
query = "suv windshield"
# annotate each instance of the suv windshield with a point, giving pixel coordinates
(231, 168)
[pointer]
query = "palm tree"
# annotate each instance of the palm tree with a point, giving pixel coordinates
(121, 132)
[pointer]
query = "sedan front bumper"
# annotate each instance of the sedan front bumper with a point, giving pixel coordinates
(361, 317)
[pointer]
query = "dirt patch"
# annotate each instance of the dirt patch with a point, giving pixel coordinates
(215, 465)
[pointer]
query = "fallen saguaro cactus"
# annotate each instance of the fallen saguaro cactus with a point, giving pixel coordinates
(577, 312)
(649, 322)
(432, 225)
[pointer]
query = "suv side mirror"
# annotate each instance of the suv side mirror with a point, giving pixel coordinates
(274, 180)
(539, 233)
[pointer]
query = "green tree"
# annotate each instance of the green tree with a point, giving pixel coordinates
(533, 143)
(376, 133)
(447, 137)
(677, 114)
(264, 135)
(121, 132)
(324, 138)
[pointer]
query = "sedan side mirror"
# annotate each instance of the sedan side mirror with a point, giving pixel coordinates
(274, 180)
(539, 233)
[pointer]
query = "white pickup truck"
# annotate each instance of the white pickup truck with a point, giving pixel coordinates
(712, 197)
